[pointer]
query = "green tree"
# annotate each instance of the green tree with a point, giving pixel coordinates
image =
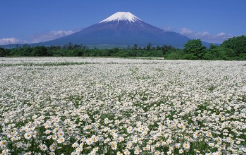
(194, 49)
(149, 46)
(218, 53)
(114, 51)
(237, 44)
(135, 47)
(174, 55)
(2, 52)
(40, 51)
(167, 49)
(212, 46)
(26, 50)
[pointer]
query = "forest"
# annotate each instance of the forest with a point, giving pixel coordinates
(231, 49)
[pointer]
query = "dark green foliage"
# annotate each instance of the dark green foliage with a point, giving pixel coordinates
(2, 52)
(80, 50)
(242, 56)
(237, 44)
(174, 55)
(149, 46)
(190, 56)
(40, 51)
(231, 49)
(194, 49)
(218, 53)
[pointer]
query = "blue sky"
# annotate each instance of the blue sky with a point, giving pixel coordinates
(30, 21)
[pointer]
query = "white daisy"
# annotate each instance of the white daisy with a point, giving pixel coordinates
(43, 147)
(28, 135)
(60, 140)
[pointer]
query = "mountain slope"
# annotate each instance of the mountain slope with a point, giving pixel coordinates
(122, 28)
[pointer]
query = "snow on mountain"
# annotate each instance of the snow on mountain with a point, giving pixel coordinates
(121, 16)
(121, 29)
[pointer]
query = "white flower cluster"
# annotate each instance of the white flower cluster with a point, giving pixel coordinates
(122, 106)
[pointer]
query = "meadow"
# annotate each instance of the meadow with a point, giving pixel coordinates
(122, 106)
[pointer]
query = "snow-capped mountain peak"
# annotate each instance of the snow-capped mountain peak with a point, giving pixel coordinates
(120, 30)
(121, 16)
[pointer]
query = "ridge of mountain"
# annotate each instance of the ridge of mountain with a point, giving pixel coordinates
(122, 29)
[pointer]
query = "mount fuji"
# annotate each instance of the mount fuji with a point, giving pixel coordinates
(121, 29)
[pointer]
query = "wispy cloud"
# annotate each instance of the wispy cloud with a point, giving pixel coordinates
(206, 36)
(38, 38)
(51, 35)
(168, 29)
(6, 41)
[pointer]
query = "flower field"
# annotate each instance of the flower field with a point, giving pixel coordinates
(122, 106)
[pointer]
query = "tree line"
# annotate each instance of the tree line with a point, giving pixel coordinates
(231, 49)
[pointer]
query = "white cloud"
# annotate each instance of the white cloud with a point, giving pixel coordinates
(38, 38)
(6, 41)
(206, 36)
(168, 29)
(51, 35)
(185, 31)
